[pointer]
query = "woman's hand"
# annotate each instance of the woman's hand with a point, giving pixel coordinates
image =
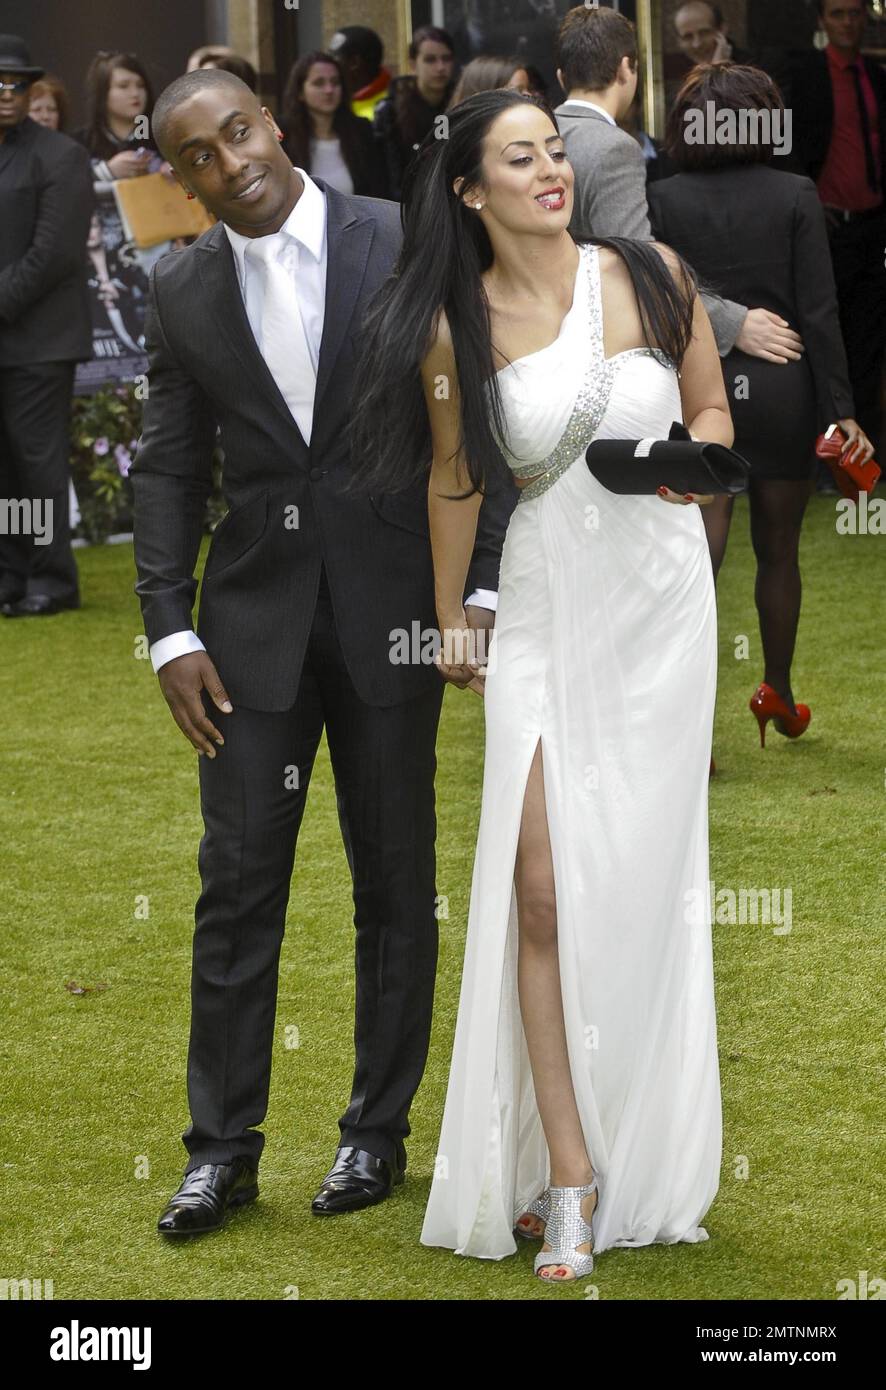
(858, 448)
(128, 164)
(462, 656)
(684, 498)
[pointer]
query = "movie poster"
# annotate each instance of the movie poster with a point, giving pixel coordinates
(118, 291)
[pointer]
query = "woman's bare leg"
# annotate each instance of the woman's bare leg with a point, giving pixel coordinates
(541, 1003)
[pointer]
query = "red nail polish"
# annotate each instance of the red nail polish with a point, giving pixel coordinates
(662, 491)
(688, 496)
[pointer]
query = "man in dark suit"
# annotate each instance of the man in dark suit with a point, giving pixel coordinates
(306, 594)
(598, 57)
(45, 206)
(838, 98)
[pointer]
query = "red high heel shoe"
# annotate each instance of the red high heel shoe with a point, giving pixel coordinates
(767, 704)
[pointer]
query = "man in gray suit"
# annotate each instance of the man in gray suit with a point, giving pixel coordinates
(597, 52)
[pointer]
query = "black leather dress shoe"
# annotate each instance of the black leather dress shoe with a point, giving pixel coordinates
(356, 1179)
(37, 606)
(206, 1194)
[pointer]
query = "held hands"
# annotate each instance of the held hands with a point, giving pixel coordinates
(765, 335)
(182, 681)
(465, 647)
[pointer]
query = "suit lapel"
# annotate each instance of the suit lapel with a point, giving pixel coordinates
(218, 273)
(348, 238)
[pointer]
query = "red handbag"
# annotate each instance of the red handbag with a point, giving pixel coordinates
(851, 478)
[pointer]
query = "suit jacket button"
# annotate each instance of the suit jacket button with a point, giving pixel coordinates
(316, 473)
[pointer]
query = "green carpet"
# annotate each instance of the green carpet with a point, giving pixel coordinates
(101, 812)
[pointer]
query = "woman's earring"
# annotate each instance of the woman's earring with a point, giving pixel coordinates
(192, 195)
(478, 206)
(279, 134)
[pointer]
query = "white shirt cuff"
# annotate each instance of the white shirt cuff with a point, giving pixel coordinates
(484, 598)
(176, 644)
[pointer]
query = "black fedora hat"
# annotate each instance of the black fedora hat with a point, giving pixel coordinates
(14, 57)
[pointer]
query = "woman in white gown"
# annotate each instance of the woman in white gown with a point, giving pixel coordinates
(584, 1083)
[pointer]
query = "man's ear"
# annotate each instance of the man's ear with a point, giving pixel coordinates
(626, 70)
(561, 79)
(269, 120)
(179, 180)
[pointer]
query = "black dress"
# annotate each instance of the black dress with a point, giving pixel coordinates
(757, 235)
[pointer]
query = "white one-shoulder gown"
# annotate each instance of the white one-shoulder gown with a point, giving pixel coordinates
(605, 649)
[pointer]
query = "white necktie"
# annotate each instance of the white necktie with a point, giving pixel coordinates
(284, 345)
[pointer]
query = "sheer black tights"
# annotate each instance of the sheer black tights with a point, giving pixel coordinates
(777, 507)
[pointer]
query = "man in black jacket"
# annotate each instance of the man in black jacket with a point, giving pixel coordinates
(45, 206)
(309, 594)
(838, 99)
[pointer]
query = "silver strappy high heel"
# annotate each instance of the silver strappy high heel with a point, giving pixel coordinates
(566, 1229)
(540, 1208)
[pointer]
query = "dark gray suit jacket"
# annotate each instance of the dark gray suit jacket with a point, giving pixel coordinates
(287, 508)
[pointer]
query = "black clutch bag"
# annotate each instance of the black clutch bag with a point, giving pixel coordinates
(638, 467)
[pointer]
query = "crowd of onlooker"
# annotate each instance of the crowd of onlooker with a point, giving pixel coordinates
(792, 274)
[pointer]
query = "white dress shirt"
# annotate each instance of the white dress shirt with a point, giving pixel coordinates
(306, 227)
(580, 101)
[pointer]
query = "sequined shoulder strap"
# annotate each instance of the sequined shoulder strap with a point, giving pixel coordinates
(595, 301)
(593, 393)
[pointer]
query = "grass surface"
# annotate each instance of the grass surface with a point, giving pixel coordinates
(101, 806)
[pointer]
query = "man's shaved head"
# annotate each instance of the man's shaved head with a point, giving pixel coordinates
(193, 84)
(225, 149)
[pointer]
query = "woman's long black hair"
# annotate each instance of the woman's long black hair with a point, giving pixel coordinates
(445, 251)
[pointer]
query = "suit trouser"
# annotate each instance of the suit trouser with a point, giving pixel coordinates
(858, 250)
(384, 762)
(35, 415)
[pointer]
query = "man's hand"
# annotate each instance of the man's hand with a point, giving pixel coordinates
(765, 335)
(464, 652)
(480, 621)
(182, 681)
